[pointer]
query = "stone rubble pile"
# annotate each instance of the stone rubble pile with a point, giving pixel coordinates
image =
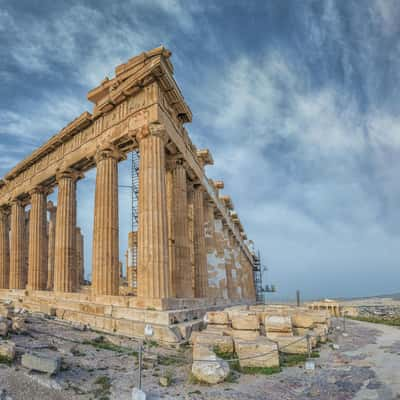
(12, 320)
(255, 335)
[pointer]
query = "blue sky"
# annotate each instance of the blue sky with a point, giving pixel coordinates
(297, 101)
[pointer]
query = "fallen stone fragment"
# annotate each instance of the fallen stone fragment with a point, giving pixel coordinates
(217, 318)
(42, 363)
(245, 320)
(291, 345)
(207, 367)
(224, 344)
(302, 320)
(257, 353)
(278, 323)
(244, 334)
(7, 349)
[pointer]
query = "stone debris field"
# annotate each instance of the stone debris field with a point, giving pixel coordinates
(43, 358)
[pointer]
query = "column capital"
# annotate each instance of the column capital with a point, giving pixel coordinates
(153, 129)
(108, 151)
(4, 210)
(40, 189)
(68, 173)
(18, 202)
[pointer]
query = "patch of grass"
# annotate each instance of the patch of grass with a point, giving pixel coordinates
(195, 392)
(222, 354)
(152, 343)
(103, 392)
(5, 360)
(194, 381)
(151, 309)
(101, 344)
(260, 370)
(291, 360)
(392, 321)
(165, 360)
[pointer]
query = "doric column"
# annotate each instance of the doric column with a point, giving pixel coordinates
(153, 275)
(171, 227)
(105, 263)
(236, 289)
(65, 242)
(229, 261)
(52, 209)
(184, 275)
(79, 258)
(37, 254)
(200, 256)
(4, 249)
(17, 251)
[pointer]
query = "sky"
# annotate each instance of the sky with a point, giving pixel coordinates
(298, 102)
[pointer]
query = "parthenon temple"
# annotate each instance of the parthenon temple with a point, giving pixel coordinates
(192, 252)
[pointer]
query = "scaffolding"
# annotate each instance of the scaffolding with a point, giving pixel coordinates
(131, 254)
(135, 157)
(257, 274)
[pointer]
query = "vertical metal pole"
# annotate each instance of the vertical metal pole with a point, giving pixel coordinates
(140, 364)
(309, 345)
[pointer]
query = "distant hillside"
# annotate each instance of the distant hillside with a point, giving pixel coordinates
(394, 296)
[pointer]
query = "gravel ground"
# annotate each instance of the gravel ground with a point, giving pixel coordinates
(365, 367)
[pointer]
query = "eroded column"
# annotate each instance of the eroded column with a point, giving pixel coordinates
(52, 209)
(4, 249)
(79, 258)
(171, 229)
(201, 280)
(105, 264)
(17, 252)
(184, 276)
(37, 254)
(153, 272)
(65, 241)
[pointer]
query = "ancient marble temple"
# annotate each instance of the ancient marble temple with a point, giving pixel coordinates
(192, 251)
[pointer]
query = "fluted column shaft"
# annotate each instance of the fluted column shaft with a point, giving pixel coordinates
(200, 256)
(37, 255)
(79, 258)
(153, 274)
(105, 263)
(229, 261)
(4, 249)
(51, 244)
(183, 269)
(17, 252)
(171, 229)
(65, 233)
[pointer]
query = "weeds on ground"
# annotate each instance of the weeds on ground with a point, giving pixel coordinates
(101, 343)
(5, 360)
(104, 390)
(291, 360)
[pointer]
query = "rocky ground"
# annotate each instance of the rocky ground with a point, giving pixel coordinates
(365, 367)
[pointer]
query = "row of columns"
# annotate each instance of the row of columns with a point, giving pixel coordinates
(164, 249)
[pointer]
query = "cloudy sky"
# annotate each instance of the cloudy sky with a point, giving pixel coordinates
(298, 102)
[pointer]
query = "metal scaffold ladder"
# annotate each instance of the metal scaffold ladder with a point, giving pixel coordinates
(135, 158)
(258, 277)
